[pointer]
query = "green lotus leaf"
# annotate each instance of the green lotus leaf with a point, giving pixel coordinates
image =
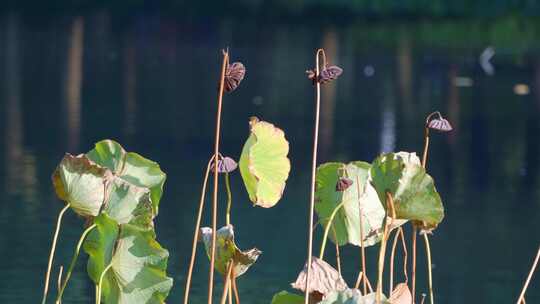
(346, 223)
(226, 250)
(99, 245)
(81, 183)
(352, 296)
(131, 167)
(138, 272)
(264, 165)
(128, 203)
(413, 190)
(285, 297)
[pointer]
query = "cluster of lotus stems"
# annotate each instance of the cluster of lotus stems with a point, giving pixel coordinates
(357, 203)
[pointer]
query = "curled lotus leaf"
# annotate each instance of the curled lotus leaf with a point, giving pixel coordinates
(323, 278)
(81, 183)
(227, 251)
(264, 165)
(131, 167)
(413, 190)
(128, 203)
(138, 271)
(352, 296)
(285, 297)
(359, 197)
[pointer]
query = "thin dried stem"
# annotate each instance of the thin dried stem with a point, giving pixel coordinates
(196, 233)
(51, 254)
(216, 173)
(392, 257)
(521, 298)
(405, 254)
(389, 210)
(313, 170)
(235, 288)
(338, 259)
(227, 282)
(362, 247)
(73, 261)
(426, 238)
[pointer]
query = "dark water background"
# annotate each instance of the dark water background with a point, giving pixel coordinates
(150, 83)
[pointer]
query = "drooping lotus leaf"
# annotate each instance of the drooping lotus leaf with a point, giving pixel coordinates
(131, 167)
(323, 278)
(346, 223)
(81, 183)
(401, 294)
(128, 203)
(138, 272)
(413, 190)
(226, 250)
(352, 296)
(264, 165)
(285, 297)
(99, 245)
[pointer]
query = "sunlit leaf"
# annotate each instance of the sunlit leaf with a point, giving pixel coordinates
(128, 203)
(346, 223)
(414, 193)
(138, 268)
(264, 164)
(285, 297)
(99, 245)
(352, 296)
(131, 167)
(81, 183)
(323, 278)
(227, 251)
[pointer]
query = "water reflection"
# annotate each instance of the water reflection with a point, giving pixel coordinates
(150, 82)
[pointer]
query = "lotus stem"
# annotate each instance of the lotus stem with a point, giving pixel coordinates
(227, 282)
(392, 256)
(413, 272)
(362, 247)
(59, 280)
(216, 173)
(405, 254)
(51, 254)
(235, 288)
(196, 233)
(327, 229)
(100, 282)
(529, 277)
(338, 260)
(426, 238)
(229, 198)
(430, 278)
(389, 210)
(313, 169)
(73, 261)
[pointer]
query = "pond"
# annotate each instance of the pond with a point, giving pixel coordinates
(150, 82)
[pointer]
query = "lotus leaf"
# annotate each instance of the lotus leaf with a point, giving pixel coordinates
(131, 167)
(285, 297)
(226, 250)
(346, 222)
(413, 190)
(81, 183)
(323, 278)
(128, 203)
(352, 296)
(264, 165)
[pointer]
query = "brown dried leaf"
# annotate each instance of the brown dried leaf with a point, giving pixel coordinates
(323, 278)
(401, 294)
